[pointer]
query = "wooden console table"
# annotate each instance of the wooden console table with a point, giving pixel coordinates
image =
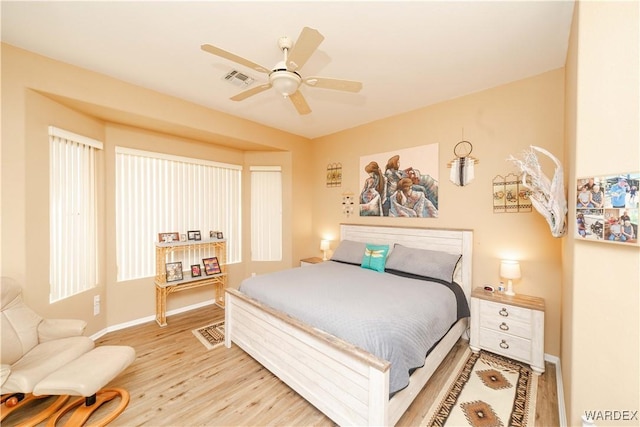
(164, 288)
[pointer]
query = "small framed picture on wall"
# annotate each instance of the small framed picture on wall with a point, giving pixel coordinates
(607, 208)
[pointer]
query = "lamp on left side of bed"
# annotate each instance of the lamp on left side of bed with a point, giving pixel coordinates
(325, 245)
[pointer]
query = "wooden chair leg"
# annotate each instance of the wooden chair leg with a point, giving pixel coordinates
(84, 410)
(27, 399)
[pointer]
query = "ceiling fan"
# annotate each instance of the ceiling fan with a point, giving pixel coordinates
(284, 76)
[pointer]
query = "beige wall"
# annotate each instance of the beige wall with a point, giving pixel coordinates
(38, 92)
(601, 322)
(498, 122)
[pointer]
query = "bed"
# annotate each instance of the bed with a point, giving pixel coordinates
(350, 385)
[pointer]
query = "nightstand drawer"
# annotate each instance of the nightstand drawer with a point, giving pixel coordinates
(499, 312)
(507, 325)
(506, 345)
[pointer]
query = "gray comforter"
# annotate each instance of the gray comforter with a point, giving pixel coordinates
(396, 318)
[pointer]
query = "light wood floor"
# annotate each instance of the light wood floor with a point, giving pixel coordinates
(175, 381)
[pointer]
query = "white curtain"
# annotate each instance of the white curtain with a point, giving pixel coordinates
(266, 213)
(73, 230)
(157, 193)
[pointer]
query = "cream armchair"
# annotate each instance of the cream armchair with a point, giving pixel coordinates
(42, 357)
(33, 347)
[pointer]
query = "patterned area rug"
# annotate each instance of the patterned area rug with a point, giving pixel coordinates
(211, 336)
(487, 391)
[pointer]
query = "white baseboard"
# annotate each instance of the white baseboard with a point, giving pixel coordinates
(562, 413)
(150, 318)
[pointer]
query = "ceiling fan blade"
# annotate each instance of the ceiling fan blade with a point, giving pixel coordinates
(235, 58)
(300, 103)
(253, 91)
(335, 84)
(307, 43)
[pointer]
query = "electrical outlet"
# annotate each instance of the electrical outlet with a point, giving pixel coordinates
(96, 305)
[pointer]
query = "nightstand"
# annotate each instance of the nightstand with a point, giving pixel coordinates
(310, 261)
(512, 326)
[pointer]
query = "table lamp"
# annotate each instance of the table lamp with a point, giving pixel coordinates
(510, 270)
(325, 245)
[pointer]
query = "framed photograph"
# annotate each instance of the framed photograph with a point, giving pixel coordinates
(194, 235)
(174, 271)
(183, 237)
(607, 208)
(211, 266)
(219, 235)
(169, 237)
(196, 271)
(212, 234)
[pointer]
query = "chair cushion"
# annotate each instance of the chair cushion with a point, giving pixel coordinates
(19, 330)
(42, 360)
(89, 373)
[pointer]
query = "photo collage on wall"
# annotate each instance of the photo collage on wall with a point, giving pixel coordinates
(607, 208)
(400, 183)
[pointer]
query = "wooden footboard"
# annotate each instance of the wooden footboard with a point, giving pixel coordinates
(347, 384)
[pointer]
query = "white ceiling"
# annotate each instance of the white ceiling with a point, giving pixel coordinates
(407, 54)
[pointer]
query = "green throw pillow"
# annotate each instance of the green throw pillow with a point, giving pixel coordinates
(375, 257)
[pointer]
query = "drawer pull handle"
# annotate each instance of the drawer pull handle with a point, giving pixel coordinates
(504, 345)
(504, 326)
(503, 312)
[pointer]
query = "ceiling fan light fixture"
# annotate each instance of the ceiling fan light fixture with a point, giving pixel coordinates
(285, 82)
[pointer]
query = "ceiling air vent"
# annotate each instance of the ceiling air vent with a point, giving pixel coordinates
(236, 78)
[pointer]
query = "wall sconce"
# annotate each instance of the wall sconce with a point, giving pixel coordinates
(347, 203)
(510, 270)
(325, 245)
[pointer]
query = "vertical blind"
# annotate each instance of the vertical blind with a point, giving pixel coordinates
(73, 228)
(157, 193)
(266, 213)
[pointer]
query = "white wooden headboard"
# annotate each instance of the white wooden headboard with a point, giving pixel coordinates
(435, 239)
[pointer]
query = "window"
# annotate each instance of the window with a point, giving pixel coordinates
(266, 213)
(73, 229)
(157, 193)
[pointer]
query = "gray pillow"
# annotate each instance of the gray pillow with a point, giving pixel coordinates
(349, 251)
(423, 262)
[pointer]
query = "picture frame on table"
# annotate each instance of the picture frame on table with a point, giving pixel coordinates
(219, 235)
(168, 237)
(211, 266)
(194, 235)
(174, 271)
(196, 270)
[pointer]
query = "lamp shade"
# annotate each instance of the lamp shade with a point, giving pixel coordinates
(285, 82)
(510, 269)
(325, 245)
